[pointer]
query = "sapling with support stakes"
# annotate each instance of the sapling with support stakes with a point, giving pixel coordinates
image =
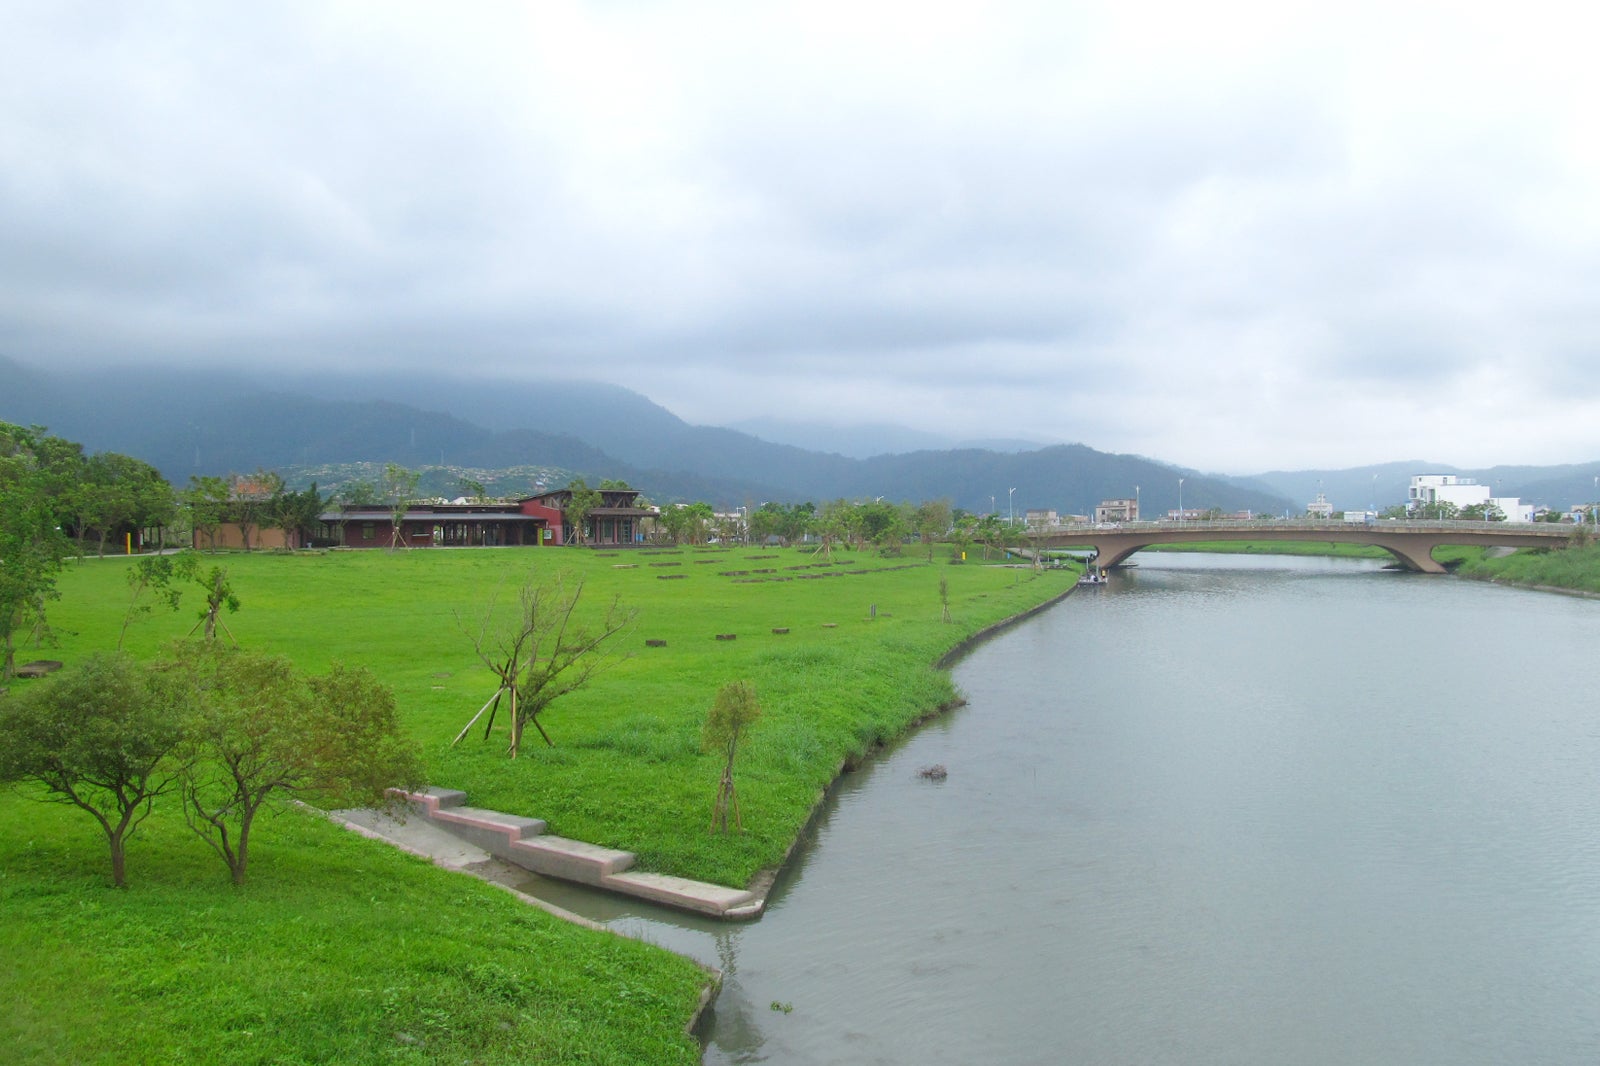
(732, 713)
(541, 654)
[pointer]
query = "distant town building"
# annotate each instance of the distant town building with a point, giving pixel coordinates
(1041, 519)
(1320, 507)
(1124, 510)
(1445, 488)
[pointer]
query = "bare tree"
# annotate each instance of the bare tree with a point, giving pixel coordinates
(546, 651)
(731, 714)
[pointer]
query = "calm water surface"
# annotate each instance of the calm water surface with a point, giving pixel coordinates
(1225, 810)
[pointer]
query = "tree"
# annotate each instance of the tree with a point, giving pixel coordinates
(360, 493)
(206, 500)
(262, 733)
(297, 513)
(687, 523)
(156, 574)
(543, 653)
(472, 488)
(930, 521)
(219, 594)
(101, 737)
(580, 505)
(32, 545)
(732, 713)
(254, 501)
(399, 491)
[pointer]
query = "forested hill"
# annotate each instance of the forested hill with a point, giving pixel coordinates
(216, 422)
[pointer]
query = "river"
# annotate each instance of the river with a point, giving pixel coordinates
(1225, 809)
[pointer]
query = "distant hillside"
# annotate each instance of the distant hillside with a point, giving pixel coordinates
(213, 422)
(1388, 484)
(866, 442)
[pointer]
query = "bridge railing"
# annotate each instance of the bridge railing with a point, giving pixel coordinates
(1267, 526)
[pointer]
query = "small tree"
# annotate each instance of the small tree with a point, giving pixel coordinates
(219, 594)
(263, 733)
(542, 654)
(156, 574)
(582, 502)
(399, 492)
(101, 737)
(732, 713)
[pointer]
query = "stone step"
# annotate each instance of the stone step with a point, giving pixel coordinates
(680, 892)
(430, 800)
(571, 860)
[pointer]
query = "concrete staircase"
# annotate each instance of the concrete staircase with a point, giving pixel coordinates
(523, 842)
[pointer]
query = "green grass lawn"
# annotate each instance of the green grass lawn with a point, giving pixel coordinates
(342, 950)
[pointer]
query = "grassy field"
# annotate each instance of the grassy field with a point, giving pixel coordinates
(341, 950)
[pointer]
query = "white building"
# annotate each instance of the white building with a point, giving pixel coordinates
(1464, 492)
(1446, 488)
(1320, 507)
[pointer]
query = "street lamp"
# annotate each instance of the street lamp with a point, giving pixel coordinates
(1137, 517)
(1180, 499)
(1011, 511)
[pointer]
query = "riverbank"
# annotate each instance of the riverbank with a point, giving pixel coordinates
(841, 652)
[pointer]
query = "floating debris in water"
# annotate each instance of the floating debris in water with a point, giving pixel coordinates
(936, 772)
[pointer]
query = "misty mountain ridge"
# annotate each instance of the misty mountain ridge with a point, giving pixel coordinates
(869, 440)
(221, 420)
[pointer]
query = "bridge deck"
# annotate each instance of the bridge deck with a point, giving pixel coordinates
(1410, 542)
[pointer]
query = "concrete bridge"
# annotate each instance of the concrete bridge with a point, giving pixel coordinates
(1412, 543)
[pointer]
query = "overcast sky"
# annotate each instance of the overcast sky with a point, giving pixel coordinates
(1235, 237)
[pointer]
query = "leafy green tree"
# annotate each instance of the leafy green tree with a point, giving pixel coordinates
(206, 501)
(582, 504)
(32, 545)
(297, 513)
(359, 493)
(688, 523)
(115, 492)
(930, 521)
(732, 713)
(102, 737)
(473, 489)
(263, 734)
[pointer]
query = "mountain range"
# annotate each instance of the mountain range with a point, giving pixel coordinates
(220, 420)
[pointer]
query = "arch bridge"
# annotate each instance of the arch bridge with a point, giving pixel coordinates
(1412, 543)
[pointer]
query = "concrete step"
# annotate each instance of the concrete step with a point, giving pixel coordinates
(571, 860)
(680, 892)
(492, 831)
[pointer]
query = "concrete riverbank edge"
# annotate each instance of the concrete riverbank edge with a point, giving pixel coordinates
(420, 837)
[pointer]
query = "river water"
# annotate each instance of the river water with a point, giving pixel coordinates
(1226, 809)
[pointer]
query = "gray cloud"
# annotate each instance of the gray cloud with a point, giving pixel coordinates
(1235, 237)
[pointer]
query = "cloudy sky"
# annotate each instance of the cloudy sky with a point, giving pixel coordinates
(1236, 237)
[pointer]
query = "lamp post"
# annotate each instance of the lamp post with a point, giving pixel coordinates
(1137, 517)
(1374, 505)
(1011, 510)
(1594, 512)
(1180, 499)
